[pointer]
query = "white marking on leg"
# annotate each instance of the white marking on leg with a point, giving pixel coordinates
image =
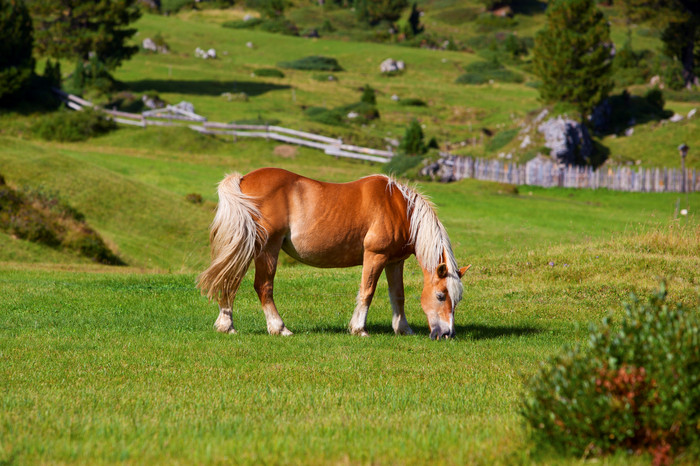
(275, 324)
(359, 319)
(223, 323)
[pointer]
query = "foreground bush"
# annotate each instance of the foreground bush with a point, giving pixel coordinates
(635, 389)
(69, 126)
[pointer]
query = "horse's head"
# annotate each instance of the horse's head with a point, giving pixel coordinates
(442, 290)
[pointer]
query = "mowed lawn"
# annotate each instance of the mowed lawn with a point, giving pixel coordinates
(102, 365)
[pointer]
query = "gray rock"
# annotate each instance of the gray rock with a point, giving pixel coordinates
(569, 141)
(391, 66)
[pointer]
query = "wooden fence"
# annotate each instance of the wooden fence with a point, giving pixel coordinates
(541, 171)
(547, 173)
(174, 116)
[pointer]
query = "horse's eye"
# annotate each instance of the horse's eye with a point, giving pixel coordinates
(441, 296)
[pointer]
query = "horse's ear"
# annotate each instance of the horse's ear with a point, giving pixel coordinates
(441, 270)
(463, 270)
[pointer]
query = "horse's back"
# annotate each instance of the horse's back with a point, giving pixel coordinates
(329, 224)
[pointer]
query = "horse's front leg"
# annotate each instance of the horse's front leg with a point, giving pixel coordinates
(394, 276)
(265, 268)
(372, 266)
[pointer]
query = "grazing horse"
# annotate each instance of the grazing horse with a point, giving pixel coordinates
(374, 222)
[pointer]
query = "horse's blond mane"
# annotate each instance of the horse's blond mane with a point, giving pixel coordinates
(429, 237)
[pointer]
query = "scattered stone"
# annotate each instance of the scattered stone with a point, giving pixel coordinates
(353, 115)
(392, 66)
(692, 113)
(526, 142)
(541, 116)
(442, 170)
(676, 118)
(395, 98)
(186, 106)
(152, 102)
(249, 45)
(248, 17)
(655, 80)
(629, 131)
(569, 140)
(205, 54)
(150, 45)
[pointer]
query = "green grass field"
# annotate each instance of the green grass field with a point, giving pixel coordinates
(103, 365)
(106, 364)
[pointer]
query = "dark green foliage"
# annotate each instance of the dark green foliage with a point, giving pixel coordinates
(52, 73)
(376, 11)
(572, 55)
(484, 71)
(412, 142)
(269, 73)
(314, 63)
(280, 25)
(357, 113)
(16, 41)
(79, 29)
(72, 126)
(679, 23)
(269, 8)
(368, 95)
(44, 217)
(495, 4)
(240, 24)
(655, 99)
(412, 102)
(633, 387)
(414, 20)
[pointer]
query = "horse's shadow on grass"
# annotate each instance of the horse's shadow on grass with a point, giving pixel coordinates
(470, 331)
(203, 87)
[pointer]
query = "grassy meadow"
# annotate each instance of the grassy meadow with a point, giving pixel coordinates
(103, 364)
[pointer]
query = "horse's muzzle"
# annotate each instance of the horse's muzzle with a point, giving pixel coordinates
(437, 334)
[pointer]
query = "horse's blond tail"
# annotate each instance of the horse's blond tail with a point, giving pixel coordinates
(236, 237)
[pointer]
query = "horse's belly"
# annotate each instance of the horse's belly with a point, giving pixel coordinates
(323, 251)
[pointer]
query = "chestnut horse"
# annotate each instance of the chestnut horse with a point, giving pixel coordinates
(374, 222)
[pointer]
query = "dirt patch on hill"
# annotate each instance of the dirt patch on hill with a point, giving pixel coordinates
(286, 151)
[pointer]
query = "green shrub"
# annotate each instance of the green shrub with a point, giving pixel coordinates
(368, 95)
(313, 63)
(73, 126)
(280, 26)
(633, 387)
(412, 142)
(655, 99)
(412, 102)
(357, 113)
(240, 24)
(194, 198)
(269, 73)
(400, 164)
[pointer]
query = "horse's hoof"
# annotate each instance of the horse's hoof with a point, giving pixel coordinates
(286, 332)
(405, 331)
(360, 332)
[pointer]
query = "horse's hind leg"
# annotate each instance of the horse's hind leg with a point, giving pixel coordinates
(223, 323)
(265, 268)
(394, 276)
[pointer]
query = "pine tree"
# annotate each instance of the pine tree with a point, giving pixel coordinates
(79, 29)
(679, 21)
(572, 55)
(375, 11)
(413, 140)
(16, 40)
